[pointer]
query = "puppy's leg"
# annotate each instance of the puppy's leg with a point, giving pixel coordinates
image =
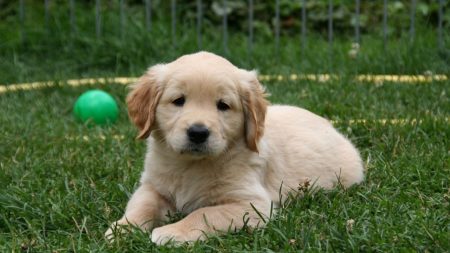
(214, 219)
(146, 209)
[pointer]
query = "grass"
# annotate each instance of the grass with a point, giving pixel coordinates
(60, 192)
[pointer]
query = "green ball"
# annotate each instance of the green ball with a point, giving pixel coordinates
(96, 106)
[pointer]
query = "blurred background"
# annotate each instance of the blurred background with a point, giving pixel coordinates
(56, 39)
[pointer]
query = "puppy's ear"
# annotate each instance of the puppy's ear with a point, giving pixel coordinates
(255, 106)
(143, 99)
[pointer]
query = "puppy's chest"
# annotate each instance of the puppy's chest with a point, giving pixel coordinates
(189, 188)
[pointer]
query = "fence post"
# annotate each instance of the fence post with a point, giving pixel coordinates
(174, 18)
(277, 29)
(73, 27)
(355, 46)
(199, 23)
(22, 20)
(148, 14)
(330, 34)
(357, 21)
(412, 25)
(225, 27)
(98, 17)
(384, 25)
(384, 34)
(250, 28)
(47, 13)
(122, 18)
(440, 20)
(303, 26)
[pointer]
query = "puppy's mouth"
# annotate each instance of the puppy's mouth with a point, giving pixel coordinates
(196, 150)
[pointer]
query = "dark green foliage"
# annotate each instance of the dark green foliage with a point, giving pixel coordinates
(35, 51)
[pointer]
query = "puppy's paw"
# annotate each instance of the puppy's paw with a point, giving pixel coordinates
(115, 229)
(175, 235)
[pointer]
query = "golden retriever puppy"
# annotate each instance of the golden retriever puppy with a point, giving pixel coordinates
(217, 152)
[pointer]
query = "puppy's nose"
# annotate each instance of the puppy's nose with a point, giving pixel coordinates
(198, 133)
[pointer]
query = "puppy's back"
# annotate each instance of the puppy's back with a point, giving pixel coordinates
(300, 145)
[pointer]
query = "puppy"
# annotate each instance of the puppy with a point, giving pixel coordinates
(219, 154)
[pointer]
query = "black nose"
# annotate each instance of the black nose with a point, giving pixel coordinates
(198, 133)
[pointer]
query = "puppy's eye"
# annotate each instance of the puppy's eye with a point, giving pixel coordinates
(222, 106)
(179, 101)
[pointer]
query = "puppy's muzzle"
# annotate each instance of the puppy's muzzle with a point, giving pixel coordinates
(198, 133)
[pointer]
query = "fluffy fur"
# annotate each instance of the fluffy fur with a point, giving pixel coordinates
(252, 150)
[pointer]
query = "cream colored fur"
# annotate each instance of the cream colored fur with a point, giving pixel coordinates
(253, 149)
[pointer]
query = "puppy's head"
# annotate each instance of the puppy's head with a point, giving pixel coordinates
(199, 105)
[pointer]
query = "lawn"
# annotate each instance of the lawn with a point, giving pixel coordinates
(64, 182)
(60, 190)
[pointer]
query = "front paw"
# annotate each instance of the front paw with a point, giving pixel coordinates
(176, 234)
(114, 230)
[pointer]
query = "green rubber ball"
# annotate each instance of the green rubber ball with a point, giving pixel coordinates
(96, 106)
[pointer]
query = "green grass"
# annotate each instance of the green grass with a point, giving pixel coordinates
(60, 192)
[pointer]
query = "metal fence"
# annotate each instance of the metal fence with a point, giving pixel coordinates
(147, 8)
